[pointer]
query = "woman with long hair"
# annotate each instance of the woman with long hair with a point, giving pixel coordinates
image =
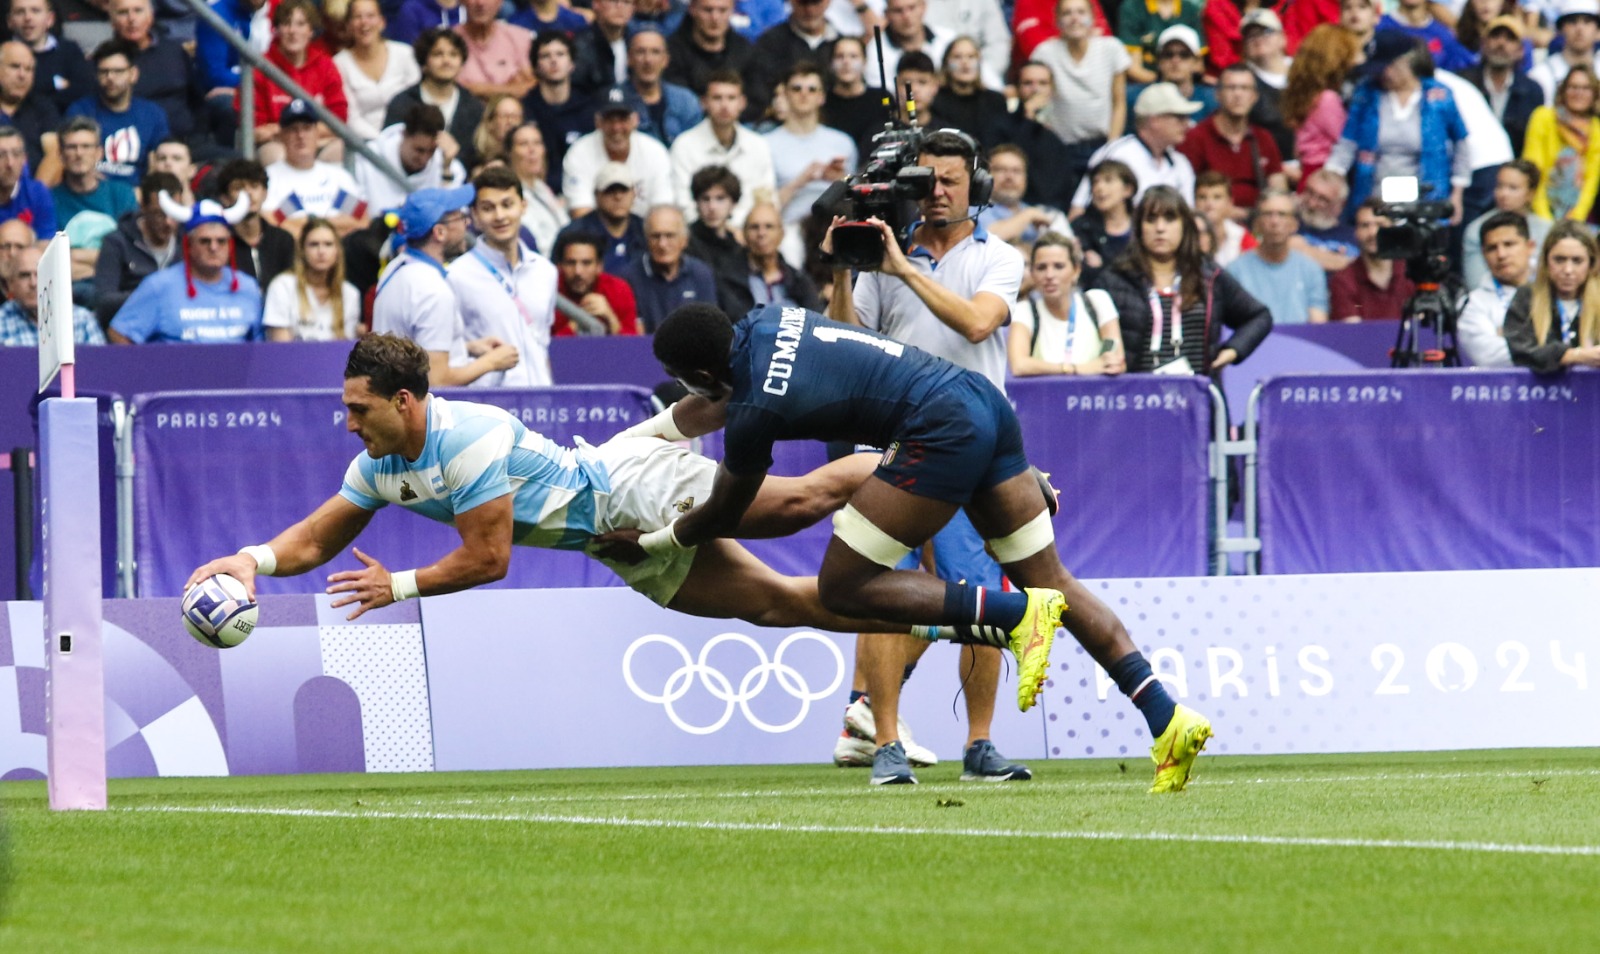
(1563, 141)
(1171, 302)
(546, 214)
(1313, 104)
(294, 29)
(1473, 25)
(1555, 322)
(963, 102)
(1057, 328)
(374, 69)
(313, 302)
(502, 113)
(1404, 122)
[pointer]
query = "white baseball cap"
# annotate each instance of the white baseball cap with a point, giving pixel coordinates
(1178, 33)
(1574, 8)
(1266, 19)
(1163, 99)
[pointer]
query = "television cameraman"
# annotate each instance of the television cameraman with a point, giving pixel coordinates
(947, 290)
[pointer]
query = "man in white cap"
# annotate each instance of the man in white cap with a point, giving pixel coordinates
(616, 139)
(1579, 24)
(613, 222)
(1263, 44)
(414, 297)
(1161, 121)
(1180, 60)
(1228, 142)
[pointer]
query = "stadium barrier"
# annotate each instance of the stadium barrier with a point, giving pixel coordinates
(260, 461)
(1447, 470)
(492, 679)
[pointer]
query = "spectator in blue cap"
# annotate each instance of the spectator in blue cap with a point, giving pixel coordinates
(414, 298)
(1400, 105)
(617, 139)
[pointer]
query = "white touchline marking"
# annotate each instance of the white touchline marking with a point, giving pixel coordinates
(777, 827)
(1130, 782)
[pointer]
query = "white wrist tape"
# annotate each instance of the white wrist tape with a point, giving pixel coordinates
(662, 424)
(266, 560)
(403, 585)
(658, 542)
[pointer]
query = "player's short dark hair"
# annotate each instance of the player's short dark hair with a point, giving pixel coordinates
(390, 363)
(1528, 169)
(116, 46)
(707, 178)
(424, 119)
(155, 183)
(247, 171)
(1504, 220)
(695, 337)
(497, 177)
(915, 61)
(566, 240)
(431, 37)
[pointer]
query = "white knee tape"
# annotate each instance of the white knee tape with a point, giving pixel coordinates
(864, 537)
(1029, 539)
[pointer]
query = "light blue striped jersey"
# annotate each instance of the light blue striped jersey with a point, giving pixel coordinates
(475, 453)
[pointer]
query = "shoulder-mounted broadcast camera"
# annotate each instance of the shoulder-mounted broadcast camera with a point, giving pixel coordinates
(885, 188)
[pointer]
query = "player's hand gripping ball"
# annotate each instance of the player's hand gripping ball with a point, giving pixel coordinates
(218, 612)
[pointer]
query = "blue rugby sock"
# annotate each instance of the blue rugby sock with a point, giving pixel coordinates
(964, 603)
(1133, 675)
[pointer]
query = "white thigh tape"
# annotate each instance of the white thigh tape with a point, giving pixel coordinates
(1029, 539)
(864, 537)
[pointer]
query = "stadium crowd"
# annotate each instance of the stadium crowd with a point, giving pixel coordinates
(661, 152)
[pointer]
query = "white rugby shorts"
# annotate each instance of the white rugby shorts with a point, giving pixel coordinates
(653, 482)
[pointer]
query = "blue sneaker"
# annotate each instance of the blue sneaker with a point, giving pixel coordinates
(984, 763)
(889, 766)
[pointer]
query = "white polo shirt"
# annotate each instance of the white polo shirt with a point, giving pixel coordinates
(324, 190)
(647, 161)
(749, 159)
(1171, 169)
(414, 300)
(977, 263)
(516, 305)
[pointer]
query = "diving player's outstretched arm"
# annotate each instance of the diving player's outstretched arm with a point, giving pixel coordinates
(304, 546)
(483, 557)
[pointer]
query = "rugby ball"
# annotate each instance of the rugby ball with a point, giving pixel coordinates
(218, 612)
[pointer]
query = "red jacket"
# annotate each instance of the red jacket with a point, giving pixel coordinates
(319, 77)
(616, 293)
(1220, 19)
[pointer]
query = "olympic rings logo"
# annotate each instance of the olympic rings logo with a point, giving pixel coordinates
(750, 685)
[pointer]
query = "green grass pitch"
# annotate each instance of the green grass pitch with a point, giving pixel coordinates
(1481, 851)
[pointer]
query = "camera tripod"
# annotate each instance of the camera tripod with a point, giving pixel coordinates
(1430, 309)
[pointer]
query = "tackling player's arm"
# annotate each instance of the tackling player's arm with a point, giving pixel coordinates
(693, 416)
(304, 546)
(719, 516)
(483, 557)
(974, 320)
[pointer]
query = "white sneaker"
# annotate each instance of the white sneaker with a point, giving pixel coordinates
(851, 752)
(858, 721)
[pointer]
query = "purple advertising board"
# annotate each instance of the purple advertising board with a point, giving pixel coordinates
(1446, 470)
(216, 470)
